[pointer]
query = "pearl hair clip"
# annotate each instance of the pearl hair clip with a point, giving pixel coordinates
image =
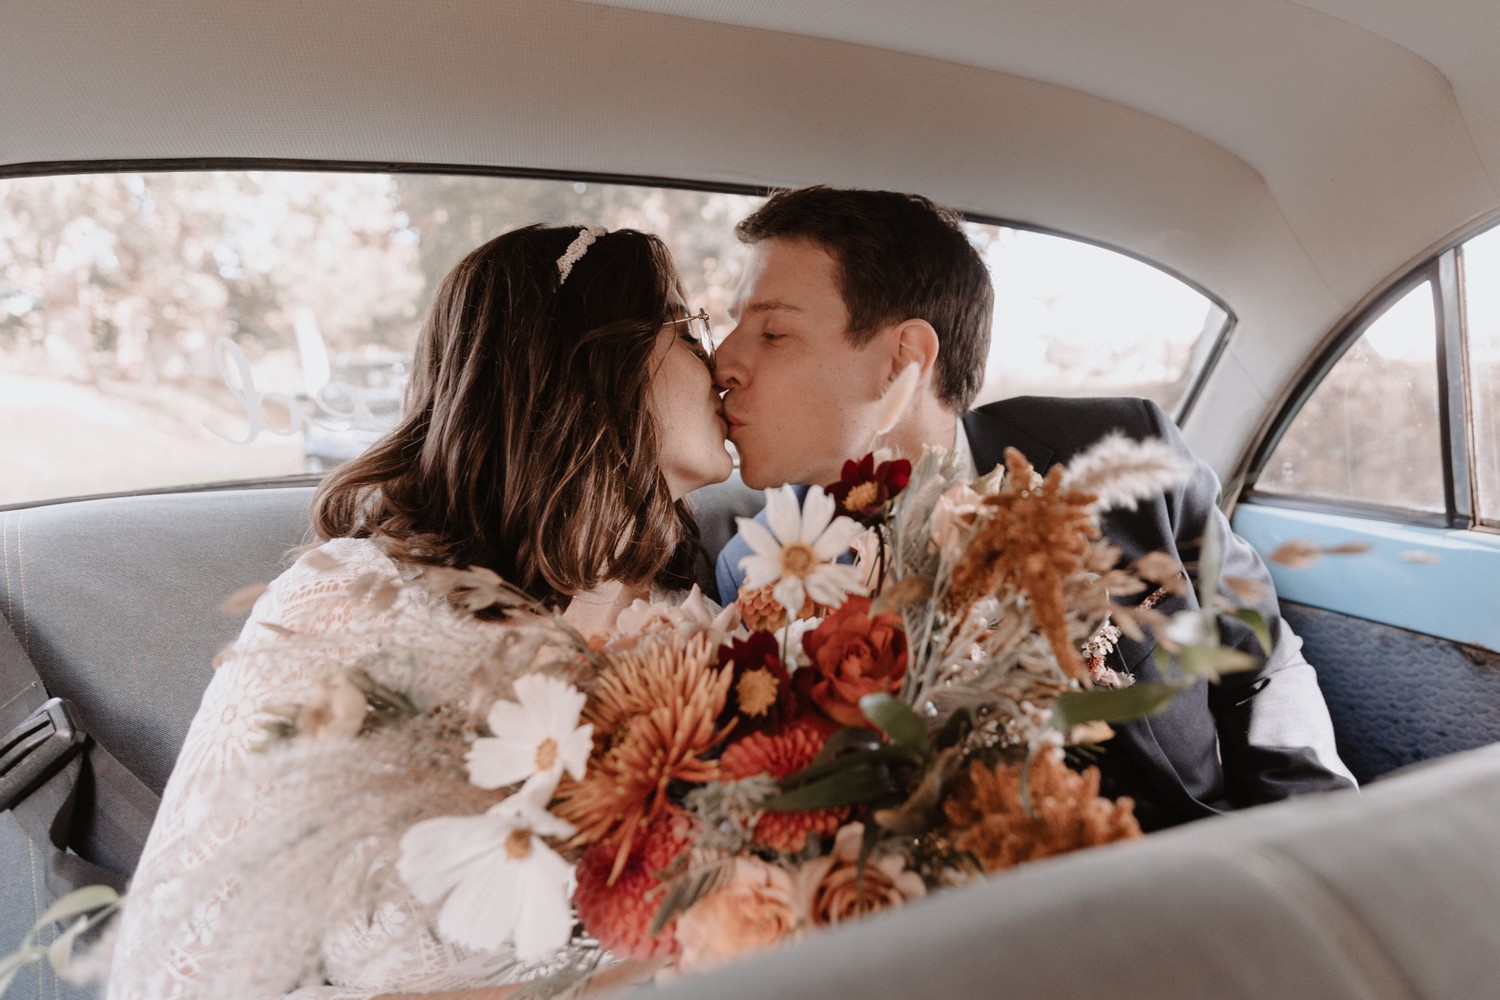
(576, 250)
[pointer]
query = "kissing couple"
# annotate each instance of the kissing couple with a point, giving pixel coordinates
(565, 401)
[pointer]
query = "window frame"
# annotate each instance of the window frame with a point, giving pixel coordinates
(1444, 273)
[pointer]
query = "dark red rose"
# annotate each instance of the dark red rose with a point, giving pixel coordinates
(760, 696)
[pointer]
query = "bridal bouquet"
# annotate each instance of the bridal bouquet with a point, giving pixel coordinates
(890, 715)
(890, 707)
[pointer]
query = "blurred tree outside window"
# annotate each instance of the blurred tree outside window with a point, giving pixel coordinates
(1369, 433)
(1481, 268)
(1075, 319)
(136, 307)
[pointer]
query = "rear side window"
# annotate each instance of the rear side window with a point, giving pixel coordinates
(1369, 433)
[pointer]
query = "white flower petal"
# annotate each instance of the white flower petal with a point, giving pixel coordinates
(495, 763)
(574, 749)
(790, 594)
(837, 538)
(509, 720)
(759, 571)
(540, 786)
(759, 538)
(554, 701)
(436, 854)
(522, 811)
(784, 514)
(832, 584)
(817, 509)
(695, 608)
(482, 911)
(547, 922)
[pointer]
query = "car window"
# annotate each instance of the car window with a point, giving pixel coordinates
(1369, 433)
(163, 329)
(174, 328)
(1076, 319)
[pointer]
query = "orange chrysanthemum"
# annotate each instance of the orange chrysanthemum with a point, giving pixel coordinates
(987, 818)
(1032, 539)
(617, 909)
(779, 753)
(654, 715)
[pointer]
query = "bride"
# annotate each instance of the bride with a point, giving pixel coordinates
(560, 407)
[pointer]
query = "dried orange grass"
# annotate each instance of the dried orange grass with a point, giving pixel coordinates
(1032, 539)
(988, 820)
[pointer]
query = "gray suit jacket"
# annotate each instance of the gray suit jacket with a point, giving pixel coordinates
(1252, 737)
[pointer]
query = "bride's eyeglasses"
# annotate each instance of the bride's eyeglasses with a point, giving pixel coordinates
(701, 331)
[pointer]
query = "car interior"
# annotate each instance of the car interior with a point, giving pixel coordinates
(1321, 175)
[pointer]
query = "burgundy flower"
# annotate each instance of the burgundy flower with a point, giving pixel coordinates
(864, 489)
(760, 695)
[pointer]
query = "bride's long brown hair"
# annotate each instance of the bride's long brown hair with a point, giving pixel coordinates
(527, 444)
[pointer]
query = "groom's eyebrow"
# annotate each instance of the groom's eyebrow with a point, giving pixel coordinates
(774, 305)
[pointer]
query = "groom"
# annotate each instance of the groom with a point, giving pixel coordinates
(845, 289)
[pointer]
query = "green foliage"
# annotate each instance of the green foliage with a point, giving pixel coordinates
(1074, 708)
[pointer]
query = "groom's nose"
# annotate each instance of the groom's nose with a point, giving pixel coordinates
(729, 371)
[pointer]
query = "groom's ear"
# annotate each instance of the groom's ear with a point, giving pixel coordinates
(916, 342)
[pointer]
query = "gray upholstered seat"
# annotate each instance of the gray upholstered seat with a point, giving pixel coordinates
(117, 603)
(1386, 895)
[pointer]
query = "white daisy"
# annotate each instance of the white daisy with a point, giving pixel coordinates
(502, 881)
(797, 553)
(536, 738)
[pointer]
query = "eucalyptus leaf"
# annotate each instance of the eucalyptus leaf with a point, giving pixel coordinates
(1258, 626)
(879, 755)
(1214, 660)
(858, 785)
(896, 719)
(1073, 708)
(846, 739)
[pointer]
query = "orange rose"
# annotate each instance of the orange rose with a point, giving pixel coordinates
(853, 654)
(755, 910)
(835, 888)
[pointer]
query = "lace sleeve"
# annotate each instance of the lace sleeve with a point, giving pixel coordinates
(328, 593)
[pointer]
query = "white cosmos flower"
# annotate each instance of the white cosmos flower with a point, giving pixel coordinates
(797, 553)
(536, 738)
(502, 882)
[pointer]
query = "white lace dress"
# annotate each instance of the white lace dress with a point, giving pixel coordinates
(386, 951)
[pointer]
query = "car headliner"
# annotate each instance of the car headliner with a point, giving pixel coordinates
(1290, 158)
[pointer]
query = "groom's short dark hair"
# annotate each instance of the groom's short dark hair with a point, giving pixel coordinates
(899, 256)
